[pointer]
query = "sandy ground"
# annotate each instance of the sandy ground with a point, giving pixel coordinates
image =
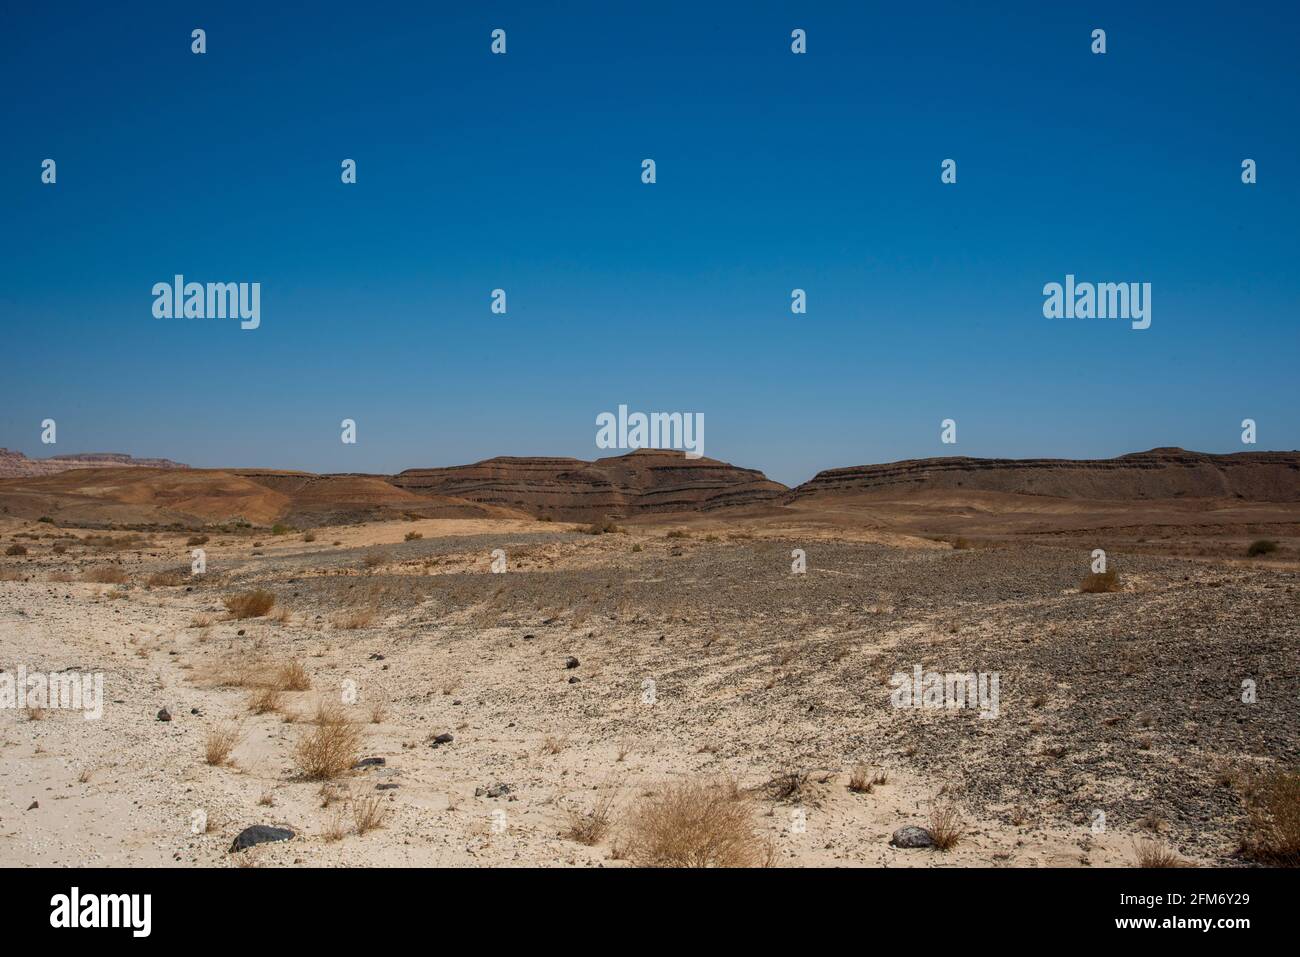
(1122, 703)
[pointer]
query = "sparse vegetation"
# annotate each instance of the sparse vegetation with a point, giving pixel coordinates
(368, 812)
(354, 618)
(695, 824)
(590, 827)
(167, 579)
(1273, 818)
(946, 826)
(249, 604)
(1262, 546)
(328, 749)
(605, 527)
(293, 676)
(1151, 854)
(16, 550)
(220, 742)
(194, 540)
(863, 781)
(413, 536)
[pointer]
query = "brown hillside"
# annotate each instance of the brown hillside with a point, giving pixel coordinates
(1157, 474)
(647, 481)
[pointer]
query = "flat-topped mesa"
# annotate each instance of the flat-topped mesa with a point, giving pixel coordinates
(641, 482)
(17, 465)
(1162, 473)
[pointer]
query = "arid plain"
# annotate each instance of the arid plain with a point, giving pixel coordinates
(556, 663)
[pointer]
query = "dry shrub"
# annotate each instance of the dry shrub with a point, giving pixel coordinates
(220, 742)
(282, 616)
(1262, 546)
(862, 781)
(335, 827)
(293, 676)
(946, 826)
(413, 536)
(355, 618)
(201, 621)
(695, 824)
(1106, 581)
(196, 540)
(168, 579)
(1151, 854)
(375, 559)
(369, 812)
(590, 827)
(1273, 819)
(16, 549)
(263, 700)
(328, 749)
(249, 604)
(61, 576)
(309, 536)
(105, 575)
(12, 575)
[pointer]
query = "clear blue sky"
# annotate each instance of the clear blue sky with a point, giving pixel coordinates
(775, 171)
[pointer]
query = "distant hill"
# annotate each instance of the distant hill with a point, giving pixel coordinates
(17, 465)
(1164, 473)
(647, 481)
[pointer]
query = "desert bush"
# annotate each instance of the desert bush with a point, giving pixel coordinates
(329, 749)
(1106, 581)
(678, 533)
(604, 527)
(249, 604)
(1273, 819)
(105, 575)
(61, 576)
(46, 519)
(196, 540)
(220, 742)
(354, 618)
(168, 579)
(278, 529)
(590, 827)
(58, 548)
(1263, 546)
(946, 826)
(16, 549)
(292, 676)
(1151, 854)
(368, 812)
(10, 575)
(863, 781)
(263, 700)
(309, 536)
(412, 536)
(695, 824)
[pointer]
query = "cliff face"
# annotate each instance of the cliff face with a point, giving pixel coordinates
(17, 465)
(1165, 473)
(643, 482)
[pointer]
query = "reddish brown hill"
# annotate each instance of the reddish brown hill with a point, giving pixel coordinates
(648, 481)
(142, 496)
(1165, 473)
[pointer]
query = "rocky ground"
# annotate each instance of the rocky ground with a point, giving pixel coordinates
(698, 657)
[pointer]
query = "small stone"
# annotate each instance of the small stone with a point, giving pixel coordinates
(164, 715)
(387, 787)
(570, 662)
(369, 763)
(34, 805)
(443, 738)
(912, 836)
(574, 680)
(259, 834)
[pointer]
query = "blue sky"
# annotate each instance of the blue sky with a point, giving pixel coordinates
(522, 172)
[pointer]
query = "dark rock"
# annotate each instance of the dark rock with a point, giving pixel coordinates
(495, 791)
(574, 680)
(387, 787)
(164, 715)
(34, 805)
(912, 836)
(570, 662)
(369, 763)
(443, 738)
(259, 834)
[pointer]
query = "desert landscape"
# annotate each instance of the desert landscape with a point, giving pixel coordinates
(651, 660)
